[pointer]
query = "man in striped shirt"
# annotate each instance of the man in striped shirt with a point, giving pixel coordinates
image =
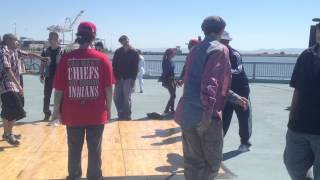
(10, 86)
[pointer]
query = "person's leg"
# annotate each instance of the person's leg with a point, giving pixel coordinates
(172, 91)
(194, 160)
(173, 97)
(75, 137)
(141, 83)
(227, 117)
(245, 124)
(212, 144)
(298, 155)
(315, 145)
(166, 110)
(118, 98)
(11, 111)
(8, 134)
(47, 96)
(127, 92)
(21, 81)
(94, 142)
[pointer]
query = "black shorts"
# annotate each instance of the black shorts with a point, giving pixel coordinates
(12, 106)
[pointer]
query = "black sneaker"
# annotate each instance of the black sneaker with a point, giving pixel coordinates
(11, 139)
(17, 136)
(46, 117)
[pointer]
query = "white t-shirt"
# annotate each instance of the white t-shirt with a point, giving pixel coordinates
(141, 65)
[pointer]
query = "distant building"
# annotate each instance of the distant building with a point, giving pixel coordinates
(32, 45)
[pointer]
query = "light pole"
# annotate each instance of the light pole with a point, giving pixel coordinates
(15, 29)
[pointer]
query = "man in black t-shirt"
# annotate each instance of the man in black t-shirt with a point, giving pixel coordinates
(48, 70)
(239, 85)
(303, 137)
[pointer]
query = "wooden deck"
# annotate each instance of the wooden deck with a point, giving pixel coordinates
(146, 149)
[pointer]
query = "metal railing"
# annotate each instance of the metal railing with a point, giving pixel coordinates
(32, 66)
(256, 71)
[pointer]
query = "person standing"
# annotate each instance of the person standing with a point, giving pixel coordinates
(192, 43)
(141, 70)
(302, 149)
(125, 65)
(99, 47)
(82, 101)
(168, 78)
(206, 85)
(239, 85)
(48, 70)
(10, 86)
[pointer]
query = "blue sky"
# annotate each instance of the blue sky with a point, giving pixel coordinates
(253, 24)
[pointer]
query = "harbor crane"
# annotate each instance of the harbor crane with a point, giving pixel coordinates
(67, 27)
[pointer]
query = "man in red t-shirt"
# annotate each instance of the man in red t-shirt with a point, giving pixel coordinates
(83, 94)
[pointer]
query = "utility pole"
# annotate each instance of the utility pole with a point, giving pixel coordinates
(15, 29)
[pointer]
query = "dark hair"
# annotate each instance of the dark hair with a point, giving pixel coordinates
(84, 37)
(139, 51)
(123, 37)
(99, 44)
(213, 24)
(318, 26)
(53, 34)
(167, 53)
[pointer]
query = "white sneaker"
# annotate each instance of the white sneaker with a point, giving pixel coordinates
(244, 148)
(55, 122)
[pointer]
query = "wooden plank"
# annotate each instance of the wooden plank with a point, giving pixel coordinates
(132, 149)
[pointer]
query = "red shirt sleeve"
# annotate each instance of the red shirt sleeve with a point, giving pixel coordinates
(60, 78)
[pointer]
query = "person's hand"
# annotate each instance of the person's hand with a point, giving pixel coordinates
(20, 90)
(179, 83)
(45, 59)
(204, 124)
(42, 77)
(243, 102)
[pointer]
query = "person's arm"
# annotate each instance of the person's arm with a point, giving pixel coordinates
(58, 98)
(182, 72)
(107, 83)
(235, 99)
(36, 56)
(115, 65)
(109, 93)
(294, 103)
(297, 82)
(32, 55)
(9, 73)
(59, 84)
(43, 66)
(237, 67)
(165, 69)
(214, 78)
(135, 68)
(12, 78)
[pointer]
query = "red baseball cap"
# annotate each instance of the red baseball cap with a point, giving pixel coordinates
(87, 27)
(192, 43)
